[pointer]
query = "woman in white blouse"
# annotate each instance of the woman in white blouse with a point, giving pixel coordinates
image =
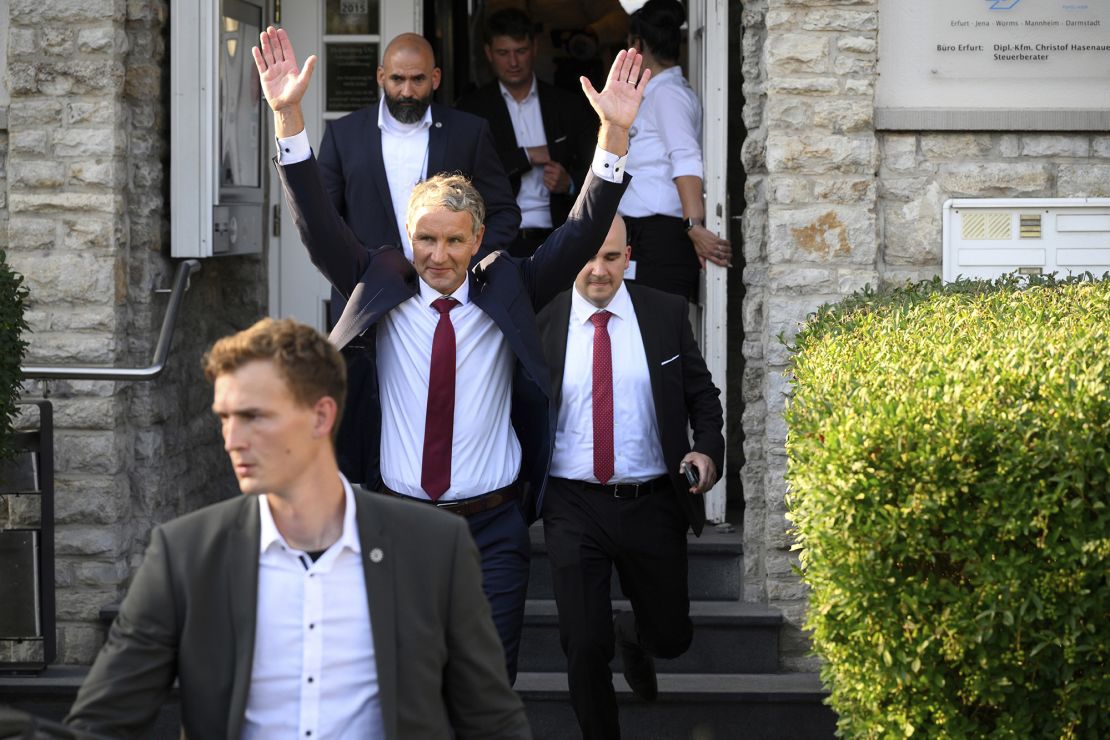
(663, 206)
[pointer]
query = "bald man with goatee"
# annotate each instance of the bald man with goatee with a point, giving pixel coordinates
(370, 160)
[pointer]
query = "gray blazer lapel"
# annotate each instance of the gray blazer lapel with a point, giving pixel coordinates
(379, 564)
(242, 599)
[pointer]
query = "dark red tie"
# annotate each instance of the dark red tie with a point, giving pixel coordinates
(603, 398)
(439, 423)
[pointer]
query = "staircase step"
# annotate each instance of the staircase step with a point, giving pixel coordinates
(779, 706)
(716, 566)
(728, 636)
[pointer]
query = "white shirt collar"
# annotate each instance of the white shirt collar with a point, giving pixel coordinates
(663, 77)
(429, 294)
(348, 537)
(386, 121)
(620, 306)
(532, 91)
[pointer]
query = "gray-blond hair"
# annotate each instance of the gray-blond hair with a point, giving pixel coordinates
(452, 191)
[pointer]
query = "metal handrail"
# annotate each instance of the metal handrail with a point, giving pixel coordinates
(165, 338)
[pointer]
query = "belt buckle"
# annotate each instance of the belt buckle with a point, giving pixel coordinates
(634, 494)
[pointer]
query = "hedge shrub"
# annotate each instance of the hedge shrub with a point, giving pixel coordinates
(949, 471)
(13, 300)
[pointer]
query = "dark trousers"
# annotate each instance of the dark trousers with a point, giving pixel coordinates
(528, 241)
(502, 539)
(664, 254)
(588, 533)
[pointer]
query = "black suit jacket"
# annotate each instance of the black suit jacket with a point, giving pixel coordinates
(190, 614)
(570, 127)
(354, 175)
(681, 385)
(509, 290)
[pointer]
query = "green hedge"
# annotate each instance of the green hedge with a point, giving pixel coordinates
(949, 471)
(13, 300)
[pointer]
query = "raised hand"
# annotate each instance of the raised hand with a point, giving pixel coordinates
(283, 82)
(618, 102)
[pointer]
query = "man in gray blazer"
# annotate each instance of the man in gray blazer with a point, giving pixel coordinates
(305, 608)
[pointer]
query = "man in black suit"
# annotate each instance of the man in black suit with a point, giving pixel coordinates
(618, 494)
(544, 135)
(429, 326)
(304, 608)
(371, 159)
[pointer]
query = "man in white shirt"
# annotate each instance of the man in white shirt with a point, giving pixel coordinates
(463, 415)
(631, 380)
(299, 610)
(544, 135)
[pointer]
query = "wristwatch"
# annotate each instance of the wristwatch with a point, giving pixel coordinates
(690, 223)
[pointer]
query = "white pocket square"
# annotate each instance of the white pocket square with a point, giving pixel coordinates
(668, 362)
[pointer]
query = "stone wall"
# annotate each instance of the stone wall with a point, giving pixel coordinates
(87, 196)
(832, 205)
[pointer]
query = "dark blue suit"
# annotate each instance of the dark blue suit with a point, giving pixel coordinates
(509, 290)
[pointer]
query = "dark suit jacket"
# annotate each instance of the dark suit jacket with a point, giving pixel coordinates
(681, 385)
(190, 614)
(569, 125)
(508, 289)
(354, 175)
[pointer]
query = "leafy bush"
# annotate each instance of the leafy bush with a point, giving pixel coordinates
(13, 299)
(949, 467)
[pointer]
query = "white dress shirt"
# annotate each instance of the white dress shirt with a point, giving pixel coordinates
(485, 451)
(638, 454)
(665, 144)
(313, 674)
(533, 198)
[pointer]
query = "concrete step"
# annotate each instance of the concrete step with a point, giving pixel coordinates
(729, 636)
(716, 566)
(781, 706)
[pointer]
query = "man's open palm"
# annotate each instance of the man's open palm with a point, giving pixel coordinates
(283, 82)
(619, 100)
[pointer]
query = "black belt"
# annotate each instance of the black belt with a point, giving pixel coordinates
(534, 232)
(627, 490)
(468, 506)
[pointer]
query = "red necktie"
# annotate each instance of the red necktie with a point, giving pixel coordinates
(603, 398)
(439, 423)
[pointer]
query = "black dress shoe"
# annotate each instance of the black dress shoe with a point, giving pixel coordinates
(639, 666)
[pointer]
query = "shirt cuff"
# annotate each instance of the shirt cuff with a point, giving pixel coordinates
(294, 148)
(608, 166)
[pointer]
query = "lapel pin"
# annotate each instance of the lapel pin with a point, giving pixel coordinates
(439, 124)
(376, 555)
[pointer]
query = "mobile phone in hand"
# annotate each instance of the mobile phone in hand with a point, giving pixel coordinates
(692, 476)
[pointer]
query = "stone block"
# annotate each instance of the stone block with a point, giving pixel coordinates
(837, 234)
(785, 315)
(1009, 145)
(89, 232)
(82, 277)
(88, 413)
(899, 276)
(785, 189)
(29, 113)
(793, 280)
(22, 42)
(32, 232)
(786, 589)
(912, 230)
(779, 18)
(1055, 145)
(102, 39)
(857, 21)
(1100, 146)
(844, 115)
(816, 153)
(56, 41)
(859, 87)
(89, 452)
(89, 142)
(803, 85)
(753, 153)
(97, 573)
(84, 541)
(857, 44)
(789, 111)
(27, 142)
(36, 173)
(60, 317)
(62, 348)
(93, 112)
(999, 179)
(854, 281)
(844, 190)
(797, 53)
(34, 12)
(61, 202)
(144, 81)
(78, 643)
(902, 188)
(83, 604)
(109, 173)
(853, 66)
(1083, 180)
(957, 146)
